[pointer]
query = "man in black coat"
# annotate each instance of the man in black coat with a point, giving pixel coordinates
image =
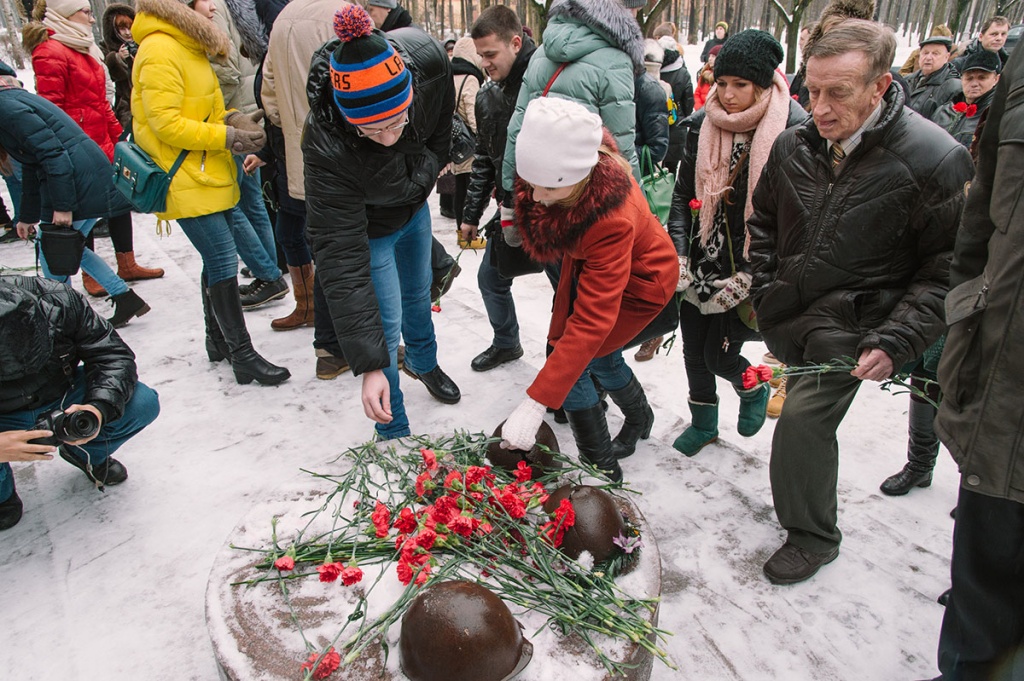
(505, 53)
(936, 82)
(377, 134)
(854, 221)
(59, 358)
(388, 15)
(991, 38)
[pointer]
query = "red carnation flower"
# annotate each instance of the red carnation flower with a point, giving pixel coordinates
(381, 519)
(423, 575)
(960, 107)
(463, 525)
(443, 510)
(404, 571)
(351, 575)
(426, 538)
(696, 204)
(512, 503)
(750, 378)
(475, 474)
(406, 521)
(765, 373)
(329, 572)
(971, 110)
(435, 308)
(523, 472)
(330, 662)
(429, 458)
(424, 484)
(285, 563)
(453, 481)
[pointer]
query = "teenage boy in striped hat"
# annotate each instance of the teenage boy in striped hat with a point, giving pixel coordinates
(375, 140)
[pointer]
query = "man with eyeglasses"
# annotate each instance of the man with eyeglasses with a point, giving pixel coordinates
(375, 139)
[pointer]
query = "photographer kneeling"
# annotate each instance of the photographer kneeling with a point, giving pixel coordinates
(66, 378)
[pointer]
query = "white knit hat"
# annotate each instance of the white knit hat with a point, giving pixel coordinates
(66, 8)
(557, 143)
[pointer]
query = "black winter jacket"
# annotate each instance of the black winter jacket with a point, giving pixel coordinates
(62, 169)
(973, 47)
(62, 332)
(860, 260)
(357, 189)
(678, 78)
(681, 225)
(959, 125)
(651, 117)
(399, 17)
(495, 103)
(928, 93)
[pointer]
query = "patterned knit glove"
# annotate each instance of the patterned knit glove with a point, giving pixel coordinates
(508, 227)
(732, 292)
(685, 278)
(520, 430)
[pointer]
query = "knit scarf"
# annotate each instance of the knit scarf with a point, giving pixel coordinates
(766, 118)
(72, 34)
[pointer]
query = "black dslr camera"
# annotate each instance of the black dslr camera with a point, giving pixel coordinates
(133, 48)
(65, 427)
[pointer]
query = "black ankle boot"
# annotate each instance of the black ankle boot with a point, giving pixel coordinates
(10, 510)
(245, 361)
(590, 429)
(922, 450)
(639, 418)
(216, 346)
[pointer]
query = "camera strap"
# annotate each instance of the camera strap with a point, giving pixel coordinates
(65, 365)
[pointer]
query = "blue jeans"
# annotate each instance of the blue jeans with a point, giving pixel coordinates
(611, 371)
(251, 228)
(92, 264)
(141, 410)
(496, 292)
(13, 182)
(401, 275)
(213, 237)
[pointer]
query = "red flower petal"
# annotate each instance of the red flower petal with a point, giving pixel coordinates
(329, 572)
(330, 662)
(750, 378)
(696, 204)
(523, 472)
(971, 110)
(285, 563)
(351, 575)
(429, 458)
(960, 107)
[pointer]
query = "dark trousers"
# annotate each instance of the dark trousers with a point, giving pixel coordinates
(290, 222)
(804, 466)
(711, 347)
(982, 636)
(496, 292)
(459, 198)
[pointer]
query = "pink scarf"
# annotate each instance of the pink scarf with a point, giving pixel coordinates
(766, 119)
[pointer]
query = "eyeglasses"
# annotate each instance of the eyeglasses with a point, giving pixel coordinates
(362, 132)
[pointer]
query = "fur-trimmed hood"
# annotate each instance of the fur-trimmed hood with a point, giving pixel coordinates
(606, 17)
(250, 28)
(33, 34)
(181, 22)
(549, 231)
(111, 40)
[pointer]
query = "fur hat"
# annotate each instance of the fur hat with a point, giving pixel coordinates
(371, 82)
(558, 142)
(752, 55)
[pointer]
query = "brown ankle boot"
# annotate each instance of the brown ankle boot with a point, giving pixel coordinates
(92, 287)
(302, 287)
(129, 270)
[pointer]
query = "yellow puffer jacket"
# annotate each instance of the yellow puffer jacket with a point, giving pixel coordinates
(177, 104)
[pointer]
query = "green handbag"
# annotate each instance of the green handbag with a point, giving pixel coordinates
(658, 185)
(140, 179)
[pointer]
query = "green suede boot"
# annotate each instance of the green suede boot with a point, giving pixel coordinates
(753, 409)
(703, 428)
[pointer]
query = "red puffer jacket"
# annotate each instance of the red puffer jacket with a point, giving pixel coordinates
(76, 83)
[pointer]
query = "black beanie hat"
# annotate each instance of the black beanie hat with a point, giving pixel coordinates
(752, 55)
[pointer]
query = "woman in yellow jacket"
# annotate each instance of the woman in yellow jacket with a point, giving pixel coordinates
(177, 105)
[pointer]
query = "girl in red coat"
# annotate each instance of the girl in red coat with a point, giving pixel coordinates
(577, 202)
(69, 72)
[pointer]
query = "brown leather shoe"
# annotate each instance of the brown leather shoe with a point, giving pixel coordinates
(129, 270)
(648, 349)
(328, 366)
(792, 564)
(302, 288)
(92, 287)
(777, 400)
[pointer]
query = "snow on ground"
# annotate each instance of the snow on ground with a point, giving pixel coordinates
(115, 581)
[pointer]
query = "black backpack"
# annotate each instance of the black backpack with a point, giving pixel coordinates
(463, 140)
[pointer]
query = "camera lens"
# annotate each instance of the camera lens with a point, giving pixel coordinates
(75, 426)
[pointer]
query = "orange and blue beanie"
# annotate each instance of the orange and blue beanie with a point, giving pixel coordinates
(371, 83)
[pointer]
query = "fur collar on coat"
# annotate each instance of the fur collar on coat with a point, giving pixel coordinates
(611, 19)
(182, 17)
(549, 231)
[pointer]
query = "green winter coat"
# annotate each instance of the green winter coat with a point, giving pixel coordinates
(602, 44)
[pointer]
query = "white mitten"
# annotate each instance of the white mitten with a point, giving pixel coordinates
(508, 227)
(732, 292)
(520, 429)
(685, 278)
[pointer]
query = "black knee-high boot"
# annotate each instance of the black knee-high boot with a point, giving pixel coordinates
(639, 418)
(245, 361)
(922, 451)
(216, 347)
(590, 429)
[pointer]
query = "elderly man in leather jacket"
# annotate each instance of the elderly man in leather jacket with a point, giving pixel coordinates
(936, 82)
(59, 358)
(377, 134)
(853, 227)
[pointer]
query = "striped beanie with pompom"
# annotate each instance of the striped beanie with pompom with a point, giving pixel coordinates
(371, 83)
